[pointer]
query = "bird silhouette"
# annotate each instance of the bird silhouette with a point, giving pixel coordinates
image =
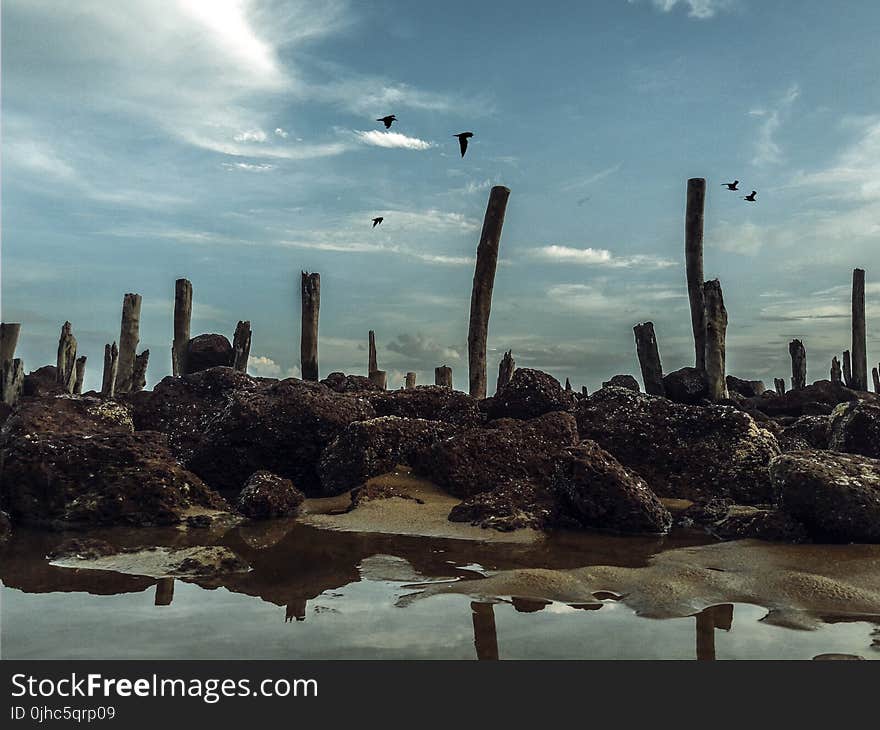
(462, 140)
(387, 120)
(377, 221)
(732, 186)
(751, 196)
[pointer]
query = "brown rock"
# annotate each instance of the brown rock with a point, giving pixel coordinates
(267, 495)
(529, 394)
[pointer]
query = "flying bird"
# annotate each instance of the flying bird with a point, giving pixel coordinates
(462, 140)
(732, 186)
(387, 120)
(377, 221)
(751, 196)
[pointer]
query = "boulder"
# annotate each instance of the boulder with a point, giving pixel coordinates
(854, 427)
(836, 496)
(623, 381)
(479, 459)
(42, 381)
(806, 432)
(529, 394)
(512, 505)
(368, 448)
(687, 385)
(208, 351)
(597, 491)
(685, 451)
(68, 415)
(267, 495)
(430, 402)
(342, 383)
(820, 398)
(282, 428)
(772, 525)
(746, 388)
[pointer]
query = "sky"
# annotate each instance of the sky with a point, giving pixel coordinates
(234, 143)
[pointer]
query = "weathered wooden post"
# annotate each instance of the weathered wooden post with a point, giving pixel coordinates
(11, 381)
(410, 380)
(716, 332)
(183, 294)
(779, 384)
(835, 370)
(311, 305)
(66, 360)
(139, 372)
(443, 376)
(875, 375)
(505, 371)
(80, 375)
(584, 391)
(373, 363)
(649, 358)
(241, 346)
(798, 364)
(847, 370)
(380, 378)
(693, 256)
(481, 294)
(9, 332)
(111, 366)
(859, 339)
(129, 336)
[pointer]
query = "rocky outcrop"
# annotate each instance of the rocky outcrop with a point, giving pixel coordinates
(431, 402)
(512, 505)
(208, 351)
(368, 448)
(342, 383)
(529, 394)
(67, 415)
(479, 459)
(745, 388)
(623, 381)
(772, 525)
(685, 451)
(836, 496)
(854, 427)
(817, 399)
(267, 495)
(687, 385)
(806, 432)
(42, 382)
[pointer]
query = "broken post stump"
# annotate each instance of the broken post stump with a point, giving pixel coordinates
(139, 372)
(779, 384)
(693, 256)
(410, 380)
(875, 375)
(859, 339)
(80, 375)
(11, 381)
(443, 376)
(65, 363)
(111, 365)
(481, 294)
(847, 370)
(798, 364)
(9, 332)
(183, 293)
(716, 332)
(372, 364)
(649, 358)
(379, 378)
(567, 385)
(129, 336)
(241, 346)
(835, 370)
(505, 371)
(311, 305)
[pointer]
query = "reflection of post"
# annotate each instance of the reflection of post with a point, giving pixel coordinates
(164, 592)
(709, 619)
(296, 609)
(485, 636)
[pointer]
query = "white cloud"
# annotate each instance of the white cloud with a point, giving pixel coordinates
(767, 149)
(599, 257)
(281, 133)
(700, 9)
(251, 135)
(261, 366)
(602, 297)
(378, 138)
(583, 182)
(250, 167)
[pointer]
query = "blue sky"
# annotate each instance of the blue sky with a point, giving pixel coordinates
(233, 142)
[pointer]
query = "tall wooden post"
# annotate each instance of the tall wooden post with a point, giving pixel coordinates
(311, 305)
(241, 346)
(835, 370)
(505, 371)
(410, 380)
(847, 370)
(481, 294)
(372, 364)
(379, 378)
(9, 332)
(649, 358)
(693, 256)
(129, 336)
(111, 367)
(443, 376)
(798, 364)
(779, 384)
(859, 340)
(11, 381)
(875, 375)
(80, 375)
(66, 360)
(183, 294)
(716, 332)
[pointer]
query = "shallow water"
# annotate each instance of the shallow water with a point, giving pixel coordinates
(323, 594)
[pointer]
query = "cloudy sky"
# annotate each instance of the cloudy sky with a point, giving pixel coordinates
(233, 142)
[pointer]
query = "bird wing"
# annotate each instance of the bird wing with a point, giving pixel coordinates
(462, 142)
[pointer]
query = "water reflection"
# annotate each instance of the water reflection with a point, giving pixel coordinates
(164, 592)
(709, 619)
(485, 635)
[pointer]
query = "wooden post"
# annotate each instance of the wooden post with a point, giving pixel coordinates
(9, 332)
(410, 380)
(505, 371)
(66, 360)
(129, 336)
(798, 364)
(649, 358)
(241, 346)
(779, 384)
(481, 294)
(139, 372)
(80, 375)
(111, 366)
(567, 385)
(443, 376)
(373, 364)
(380, 378)
(835, 370)
(859, 340)
(693, 256)
(584, 391)
(311, 305)
(183, 295)
(11, 381)
(875, 375)
(847, 370)
(716, 332)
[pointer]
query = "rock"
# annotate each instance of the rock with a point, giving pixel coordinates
(746, 388)
(5, 528)
(42, 382)
(836, 496)
(806, 432)
(702, 514)
(623, 381)
(820, 398)
(742, 523)
(512, 505)
(691, 452)
(529, 394)
(854, 427)
(598, 492)
(282, 428)
(375, 490)
(267, 495)
(67, 415)
(107, 479)
(368, 448)
(430, 402)
(479, 459)
(687, 385)
(203, 561)
(84, 548)
(208, 351)
(342, 383)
